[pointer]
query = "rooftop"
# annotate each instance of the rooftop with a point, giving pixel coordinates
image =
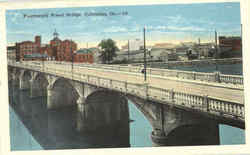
(83, 51)
(35, 55)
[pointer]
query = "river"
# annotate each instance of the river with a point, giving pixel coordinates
(33, 127)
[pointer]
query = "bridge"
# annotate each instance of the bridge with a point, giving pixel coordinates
(183, 108)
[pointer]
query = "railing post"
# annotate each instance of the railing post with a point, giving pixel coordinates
(126, 87)
(146, 90)
(172, 93)
(205, 103)
(217, 77)
(98, 81)
(88, 78)
(194, 75)
(110, 83)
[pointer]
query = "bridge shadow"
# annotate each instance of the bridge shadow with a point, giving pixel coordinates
(56, 129)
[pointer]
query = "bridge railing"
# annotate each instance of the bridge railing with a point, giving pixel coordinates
(201, 103)
(234, 79)
(190, 75)
(216, 77)
(209, 77)
(198, 102)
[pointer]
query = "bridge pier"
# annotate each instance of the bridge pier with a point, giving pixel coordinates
(24, 80)
(176, 127)
(14, 80)
(38, 85)
(104, 113)
(83, 121)
(197, 134)
(35, 89)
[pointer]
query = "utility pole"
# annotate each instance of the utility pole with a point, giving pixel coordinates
(43, 60)
(145, 59)
(128, 51)
(72, 57)
(216, 51)
(241, 34)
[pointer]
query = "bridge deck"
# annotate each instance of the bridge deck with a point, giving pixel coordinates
(192, 87)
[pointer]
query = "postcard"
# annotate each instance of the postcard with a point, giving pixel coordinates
(82, 77)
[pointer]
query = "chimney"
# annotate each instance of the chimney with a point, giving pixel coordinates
(38, 40)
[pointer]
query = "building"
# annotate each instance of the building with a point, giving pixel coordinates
(203, 49)
(35, 57)
(234, 42)
(11, 53)
(230, 47)
(133, 45)
(61, 50)
(168, 56)
(27, 48)
(84, 56)
(164, 45)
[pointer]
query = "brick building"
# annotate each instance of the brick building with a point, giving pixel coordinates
(28, 48)
(59, 50)
(234, 43)
(84, 55)
(11, 53)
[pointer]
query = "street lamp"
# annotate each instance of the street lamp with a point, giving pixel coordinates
(72, 58)
(128, 51)
(43, 61)
(216, 51)
(145, 59)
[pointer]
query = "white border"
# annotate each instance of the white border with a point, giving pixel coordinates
(194, 150)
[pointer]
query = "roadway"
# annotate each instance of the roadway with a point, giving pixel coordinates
(185, 86)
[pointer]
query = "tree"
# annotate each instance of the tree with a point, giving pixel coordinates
(108, 50)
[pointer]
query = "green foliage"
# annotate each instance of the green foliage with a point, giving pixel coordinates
(108, 50)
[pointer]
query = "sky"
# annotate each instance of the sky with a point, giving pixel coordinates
(171, 23)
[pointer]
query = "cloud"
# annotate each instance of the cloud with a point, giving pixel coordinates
(174, 28)
(185, 28)
(175, 19)
(20, 32)
(115, 29)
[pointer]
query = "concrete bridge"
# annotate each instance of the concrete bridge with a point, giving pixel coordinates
(181, 111)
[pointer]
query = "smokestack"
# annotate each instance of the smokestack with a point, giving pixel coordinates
(38, 41)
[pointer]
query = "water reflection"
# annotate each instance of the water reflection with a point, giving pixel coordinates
(56, 129)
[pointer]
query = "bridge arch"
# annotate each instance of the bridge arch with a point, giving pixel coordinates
(39, 84)
(61, 93)
(104, 107)
(143, 107)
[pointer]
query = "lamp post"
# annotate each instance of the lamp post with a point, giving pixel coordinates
(43, 62)
(145, 59)
(128, 51)
(72, 58)
(216, 51)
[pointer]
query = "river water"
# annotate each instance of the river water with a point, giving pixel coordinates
(33, 127)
